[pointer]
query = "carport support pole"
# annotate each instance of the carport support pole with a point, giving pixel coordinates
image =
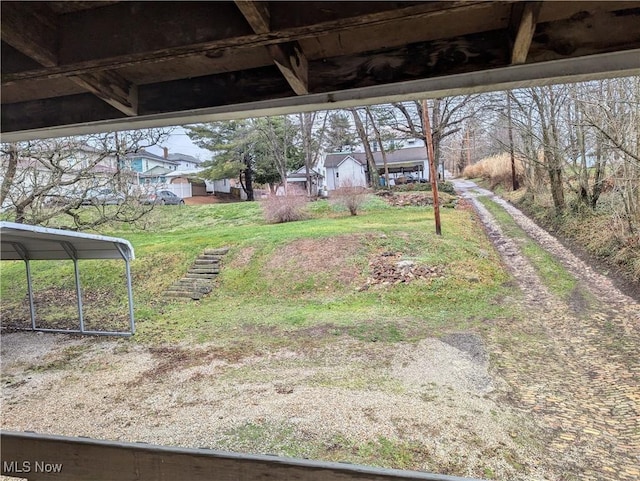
(127, 265)
(73, 255)
(79, 294)
(132, 324)
(32, 307)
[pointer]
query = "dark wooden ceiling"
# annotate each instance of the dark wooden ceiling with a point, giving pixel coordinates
(90, 66)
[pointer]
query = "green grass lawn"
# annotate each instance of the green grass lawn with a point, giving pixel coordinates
(282, 280)
(553, 274)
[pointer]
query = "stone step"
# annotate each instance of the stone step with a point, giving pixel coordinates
(203, 270)
(198, 281)
(191, 288)
(194, 275)
(209, 258)
(194, 281)
(219, 251)
(184, 294)
(206, 262)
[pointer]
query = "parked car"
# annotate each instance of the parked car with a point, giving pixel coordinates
(163, 197)
(103, 197)
(414, 179)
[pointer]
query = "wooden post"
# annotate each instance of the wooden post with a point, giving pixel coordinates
(433, 176)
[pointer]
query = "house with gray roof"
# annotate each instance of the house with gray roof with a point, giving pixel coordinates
(353, 166)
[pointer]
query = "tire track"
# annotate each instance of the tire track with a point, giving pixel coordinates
(581, 380)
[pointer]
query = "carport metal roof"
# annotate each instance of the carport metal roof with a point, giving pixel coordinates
(29, 243)
(43, 243)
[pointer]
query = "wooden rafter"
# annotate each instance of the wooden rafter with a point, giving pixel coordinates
(524, 17)
(35, 34)
(257, 15)
(288, 57)
(112, 88)
(32, 32)
(167, 48)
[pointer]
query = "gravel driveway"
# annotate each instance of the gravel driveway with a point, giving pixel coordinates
(552, 396)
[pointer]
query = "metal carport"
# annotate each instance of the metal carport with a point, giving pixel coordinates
(29, 243)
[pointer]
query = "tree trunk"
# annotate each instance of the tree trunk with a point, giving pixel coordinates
(248, 178)
(306, 127)
(514, 179)
(9, 173)
(383, 151)
(373, 171)
(549, 140)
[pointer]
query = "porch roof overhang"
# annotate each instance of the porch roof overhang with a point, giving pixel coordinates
(72, 68)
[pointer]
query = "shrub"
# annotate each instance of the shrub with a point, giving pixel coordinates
(289, 207)
(496, 169)
(350, 196)
(425, 187)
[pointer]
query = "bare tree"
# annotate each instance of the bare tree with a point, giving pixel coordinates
(310, 144)
(383, 149)
(364, 138)
(48, 181)
(448, 116)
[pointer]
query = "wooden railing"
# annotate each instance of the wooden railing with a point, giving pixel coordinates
(48, 457)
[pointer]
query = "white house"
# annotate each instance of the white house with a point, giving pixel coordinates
(299, 178)
(185, 162)
(353, 166)
(345, 168)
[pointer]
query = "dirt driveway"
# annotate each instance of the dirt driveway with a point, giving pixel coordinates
(552, 396)
(573, 364)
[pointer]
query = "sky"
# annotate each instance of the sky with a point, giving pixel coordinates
(179, 143)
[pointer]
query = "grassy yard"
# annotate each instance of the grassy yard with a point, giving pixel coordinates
(284, 278)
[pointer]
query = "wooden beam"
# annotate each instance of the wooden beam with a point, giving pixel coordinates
(57, 111)
(524, 17)
(257, 14)
(112, 58)
(112, 88)
(32, 30)
(18, 127)
(288, 57)
(79, 459)
(160, 98)
(293, 65)
(424, 60)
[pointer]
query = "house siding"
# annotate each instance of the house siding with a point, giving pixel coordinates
(349, 170)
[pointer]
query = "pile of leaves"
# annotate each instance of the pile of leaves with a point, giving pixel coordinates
(389, 269)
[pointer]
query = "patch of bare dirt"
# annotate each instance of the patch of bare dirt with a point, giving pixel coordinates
(305, 258)
(242, 258)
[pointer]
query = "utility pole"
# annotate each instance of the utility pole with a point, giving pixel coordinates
(433, 176)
